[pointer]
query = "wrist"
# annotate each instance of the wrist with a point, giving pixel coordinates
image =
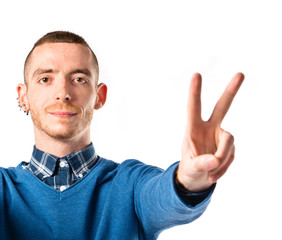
(190, 184)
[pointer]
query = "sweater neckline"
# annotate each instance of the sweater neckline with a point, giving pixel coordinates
(70, 189)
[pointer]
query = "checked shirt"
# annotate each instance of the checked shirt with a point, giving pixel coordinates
(60, 173)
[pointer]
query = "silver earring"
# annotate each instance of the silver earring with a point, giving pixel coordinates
(22, 106)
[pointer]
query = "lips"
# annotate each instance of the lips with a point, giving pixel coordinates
(63, 114)
(62, 110)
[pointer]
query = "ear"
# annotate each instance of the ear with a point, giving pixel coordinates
(22, 98)
(101, 96)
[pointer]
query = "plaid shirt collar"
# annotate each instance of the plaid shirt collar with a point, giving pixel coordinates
(43, 164)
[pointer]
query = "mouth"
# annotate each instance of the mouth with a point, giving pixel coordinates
(63, 114)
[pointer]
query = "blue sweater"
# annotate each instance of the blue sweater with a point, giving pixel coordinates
(123, 201)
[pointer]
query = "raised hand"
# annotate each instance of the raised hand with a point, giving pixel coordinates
(207, 149)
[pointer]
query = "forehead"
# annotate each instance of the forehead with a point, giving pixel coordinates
(62, 57)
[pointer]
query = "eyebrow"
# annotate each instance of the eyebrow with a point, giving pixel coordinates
(40, 71)
(84, 71)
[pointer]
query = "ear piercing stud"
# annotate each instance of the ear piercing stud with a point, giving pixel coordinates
(22, 106)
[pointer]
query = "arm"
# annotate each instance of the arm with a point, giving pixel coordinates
(157, 203)
(207, 152)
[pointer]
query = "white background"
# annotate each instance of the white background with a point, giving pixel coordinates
(148, 51)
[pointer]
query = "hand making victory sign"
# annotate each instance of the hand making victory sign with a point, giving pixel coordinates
(207, 149)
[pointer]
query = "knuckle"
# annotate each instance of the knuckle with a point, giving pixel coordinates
(220, 158)
(227, 136)
(230, 138)
(197, 167)
(232, 155)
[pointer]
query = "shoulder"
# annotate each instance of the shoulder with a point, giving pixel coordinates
(7, 171)
(128, 172)
(129, 166)
(12, 173)
(6, 176)
(133, 166)
(131, 172)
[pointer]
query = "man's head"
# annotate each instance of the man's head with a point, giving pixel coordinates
(60, 37)
(61, 90)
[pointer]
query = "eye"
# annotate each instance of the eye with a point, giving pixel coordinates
(79, 80)
(44, 80)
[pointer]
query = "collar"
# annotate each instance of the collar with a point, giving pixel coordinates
(44, 164)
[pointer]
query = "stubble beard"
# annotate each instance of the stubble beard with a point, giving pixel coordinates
(69, 133)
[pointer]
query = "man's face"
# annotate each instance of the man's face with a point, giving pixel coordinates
(61, 89)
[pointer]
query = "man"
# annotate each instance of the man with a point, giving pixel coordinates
(66, 191)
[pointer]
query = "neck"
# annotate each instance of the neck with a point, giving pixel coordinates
(61, 147)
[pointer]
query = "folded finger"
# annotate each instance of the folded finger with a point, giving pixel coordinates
(225, 145)
(220, 171)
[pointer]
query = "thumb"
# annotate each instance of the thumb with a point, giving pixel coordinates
(205, 163)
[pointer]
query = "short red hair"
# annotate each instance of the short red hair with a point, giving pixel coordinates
(61, 37)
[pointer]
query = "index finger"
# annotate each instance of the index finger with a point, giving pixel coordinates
(224, 103)
(194, 99)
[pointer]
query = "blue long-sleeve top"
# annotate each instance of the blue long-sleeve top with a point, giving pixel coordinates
(124, 201)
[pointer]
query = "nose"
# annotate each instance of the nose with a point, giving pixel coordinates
(63, 90)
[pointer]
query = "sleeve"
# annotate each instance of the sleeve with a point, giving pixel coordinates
(3, 207)
(191, 198)
(159, 206)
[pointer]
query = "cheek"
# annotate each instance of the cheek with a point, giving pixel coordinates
(36, 104)
(37, 98)
(88, 102)
(89, 107)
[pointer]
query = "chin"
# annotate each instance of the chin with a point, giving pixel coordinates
(62, 132)
(62, 135)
